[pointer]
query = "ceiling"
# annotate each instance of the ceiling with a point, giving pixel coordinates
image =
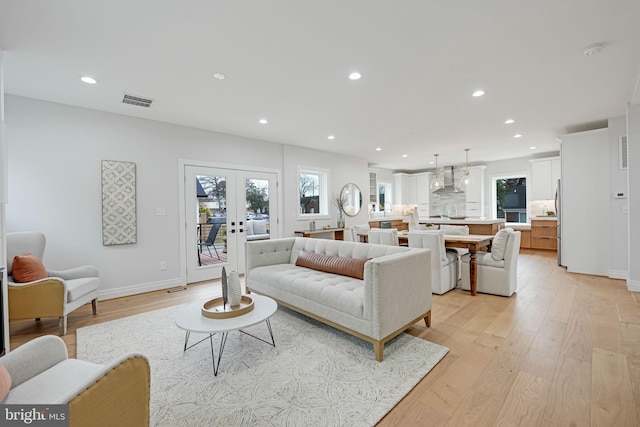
(288, 61)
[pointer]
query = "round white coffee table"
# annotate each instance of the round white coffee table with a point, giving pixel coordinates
(190, 319)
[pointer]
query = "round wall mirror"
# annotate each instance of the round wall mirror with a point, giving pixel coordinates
(352, 197)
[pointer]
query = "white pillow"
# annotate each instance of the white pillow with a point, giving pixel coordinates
(499, 244)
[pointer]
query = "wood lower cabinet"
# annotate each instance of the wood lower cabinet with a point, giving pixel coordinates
(398, 224)
(544, 235)
(525, 239)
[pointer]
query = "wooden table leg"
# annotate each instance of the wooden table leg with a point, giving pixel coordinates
(473, 269)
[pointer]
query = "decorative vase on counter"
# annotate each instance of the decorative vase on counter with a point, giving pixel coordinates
(235, 289)
(340, 221)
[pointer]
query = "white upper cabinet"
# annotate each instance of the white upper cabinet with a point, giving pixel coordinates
(474, 192)
(423, 180)
(404, 189)
(545, 174)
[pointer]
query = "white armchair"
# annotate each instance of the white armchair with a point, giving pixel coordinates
(444, 263)
(56, 295)
(116, 394)
(497, 270)
(359, 230)
(384, 236)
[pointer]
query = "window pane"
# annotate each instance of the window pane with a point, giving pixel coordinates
(511, 199)
(311, 188)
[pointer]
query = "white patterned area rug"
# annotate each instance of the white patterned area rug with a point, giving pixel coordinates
(315, 376)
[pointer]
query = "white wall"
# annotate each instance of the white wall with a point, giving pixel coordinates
(342, 170)
(55, 154)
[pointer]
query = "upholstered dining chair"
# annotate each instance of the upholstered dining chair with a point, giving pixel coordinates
(34, 292)
(359, 230)
(383, 236)
(498, 269)
(444, 263)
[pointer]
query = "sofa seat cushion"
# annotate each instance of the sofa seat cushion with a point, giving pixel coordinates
(345, 266)
(61, 380)
(342, 293)
(484, 258)
(77, 288)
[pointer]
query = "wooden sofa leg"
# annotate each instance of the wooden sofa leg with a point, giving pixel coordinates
(62, 324)
(378, 349)
(94, 306)
(427, 320)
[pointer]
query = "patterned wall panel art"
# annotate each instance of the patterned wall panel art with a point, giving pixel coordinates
(119, 225)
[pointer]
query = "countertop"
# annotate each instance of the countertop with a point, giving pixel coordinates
(460, 221)
(543, 218)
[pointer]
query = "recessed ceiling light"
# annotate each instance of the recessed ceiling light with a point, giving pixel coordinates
(430, 163)
(532, 148)
(478, 93)
(219, 76)
(355, 75)
(593, 49)
(331, 137)
(263, 121)
(88, 80)
(517, 135)
(509, 121)
(405, 155)
(378, 149)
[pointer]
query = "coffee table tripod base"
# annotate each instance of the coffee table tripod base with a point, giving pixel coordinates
(223, 341)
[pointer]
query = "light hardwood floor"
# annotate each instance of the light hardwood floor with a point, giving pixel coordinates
(563, 351)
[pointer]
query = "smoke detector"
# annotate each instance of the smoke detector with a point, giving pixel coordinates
(593, 49)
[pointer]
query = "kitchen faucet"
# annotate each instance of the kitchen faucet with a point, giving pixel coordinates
(384, 208)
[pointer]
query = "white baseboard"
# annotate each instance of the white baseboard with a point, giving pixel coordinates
(633, 285)
(139, 289)
(618, 274)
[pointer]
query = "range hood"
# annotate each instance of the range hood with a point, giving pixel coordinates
(449, 182)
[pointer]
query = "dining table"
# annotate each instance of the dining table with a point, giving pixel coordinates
(472, 242)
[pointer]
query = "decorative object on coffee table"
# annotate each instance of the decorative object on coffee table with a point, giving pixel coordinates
(234, 289)
(215, 308)
(225, 289)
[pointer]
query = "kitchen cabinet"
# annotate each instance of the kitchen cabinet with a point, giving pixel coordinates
(545, 174)
(423, 194)
(398, 224)
(525, 239)
(474, 193)
(404, 189)
(544, 234)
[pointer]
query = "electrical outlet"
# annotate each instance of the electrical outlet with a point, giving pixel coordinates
(163, 265)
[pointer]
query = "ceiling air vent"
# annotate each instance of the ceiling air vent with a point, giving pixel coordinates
(137, 100)
(623, 152)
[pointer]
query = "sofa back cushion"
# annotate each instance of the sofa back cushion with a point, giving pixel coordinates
(352, 267)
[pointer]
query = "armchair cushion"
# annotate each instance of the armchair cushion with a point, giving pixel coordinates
(5, 383)
(499, 244)
(28, 268)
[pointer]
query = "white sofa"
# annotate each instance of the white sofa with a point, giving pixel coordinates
(393, 294)
(498, 269)
(444, 263)
(256, 229)
(116, 394)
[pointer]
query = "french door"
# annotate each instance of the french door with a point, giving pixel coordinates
(224, 208)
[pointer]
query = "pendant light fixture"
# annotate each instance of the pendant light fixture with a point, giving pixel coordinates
(437, 181)
(466, 178)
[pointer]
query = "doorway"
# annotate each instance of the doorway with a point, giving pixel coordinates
(223, 208)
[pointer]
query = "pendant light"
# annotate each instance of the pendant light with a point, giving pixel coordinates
(437, 182)
(466, 178)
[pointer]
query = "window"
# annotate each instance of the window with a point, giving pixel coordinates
(510, 198)
(313, 192)
(385, 200)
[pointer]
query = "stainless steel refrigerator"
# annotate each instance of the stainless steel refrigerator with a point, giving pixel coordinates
(558, 206)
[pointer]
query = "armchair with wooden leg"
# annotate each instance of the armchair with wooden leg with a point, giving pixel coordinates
(35, 293)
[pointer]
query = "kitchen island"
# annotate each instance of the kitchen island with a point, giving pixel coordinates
(476, 225)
